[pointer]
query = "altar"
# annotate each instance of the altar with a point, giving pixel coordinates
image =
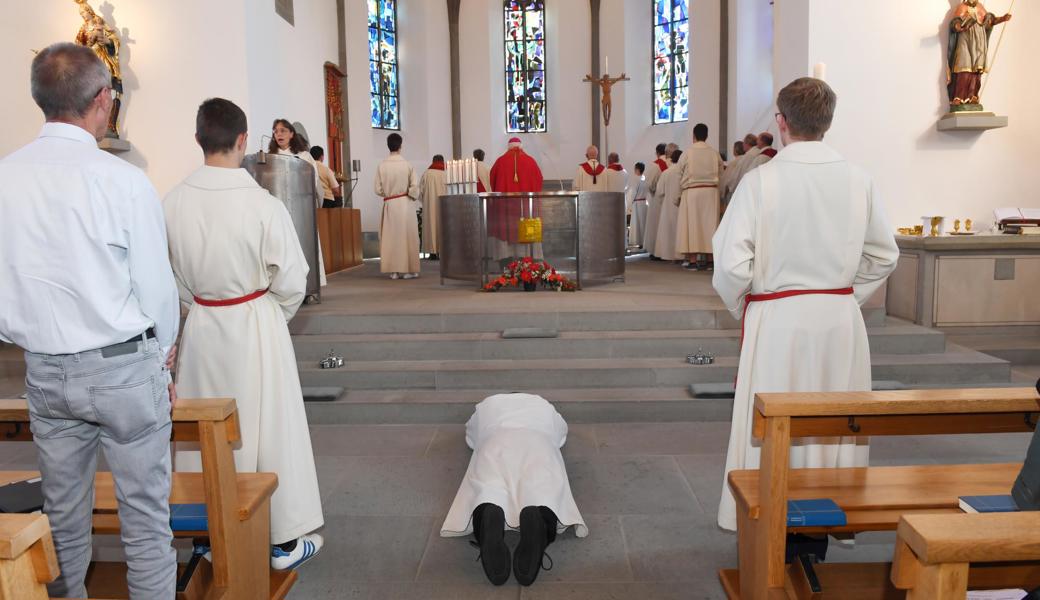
(582, 234)
(977, 280)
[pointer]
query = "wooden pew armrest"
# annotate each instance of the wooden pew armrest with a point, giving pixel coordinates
(188, 488)
(968, 538)
(19, 532)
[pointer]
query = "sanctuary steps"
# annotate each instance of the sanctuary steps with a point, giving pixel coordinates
(417, 352)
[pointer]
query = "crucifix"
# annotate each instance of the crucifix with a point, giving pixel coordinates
(605, 83)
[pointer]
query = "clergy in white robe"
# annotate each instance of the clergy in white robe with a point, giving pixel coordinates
(638, 194)
(653, 211)
(241, 272)
(592, 175)
(398, 186)
(516, 462)
(669, 186)
(618, 176)
(432, 186)
(809, 227)
(698, 215)
(483, 172)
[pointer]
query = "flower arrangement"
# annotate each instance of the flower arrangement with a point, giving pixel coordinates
(529, 273)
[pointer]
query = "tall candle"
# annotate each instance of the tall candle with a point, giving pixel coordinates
(608, 65)
(820, 71)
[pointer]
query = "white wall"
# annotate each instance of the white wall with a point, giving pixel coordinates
(888, 73)
(750, 68)
(174, 56)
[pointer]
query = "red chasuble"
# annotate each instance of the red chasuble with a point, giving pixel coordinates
(514, 171)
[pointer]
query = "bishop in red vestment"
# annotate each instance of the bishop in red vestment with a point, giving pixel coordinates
(514, 171)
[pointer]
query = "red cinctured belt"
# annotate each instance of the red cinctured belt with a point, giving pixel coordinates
(231, 301)
(395, 197)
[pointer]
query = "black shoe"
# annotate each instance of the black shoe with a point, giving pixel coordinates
(489, 524)
(433, 256)
(537, 531)
(652, 257)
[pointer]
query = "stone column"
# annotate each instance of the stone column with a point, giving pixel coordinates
(594, 5)
(724, 78)
(341, 37)
(456, 84)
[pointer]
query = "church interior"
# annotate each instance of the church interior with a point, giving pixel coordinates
(641, 361)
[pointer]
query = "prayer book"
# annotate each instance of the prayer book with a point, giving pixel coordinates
(22, 497)
(988, 504)
(188, 517)
(823, 512)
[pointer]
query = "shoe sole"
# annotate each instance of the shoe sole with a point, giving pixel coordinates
(533, 540)
(493, 549)
(299, 563)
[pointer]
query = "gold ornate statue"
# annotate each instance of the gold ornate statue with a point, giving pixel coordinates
(605, 83)
(97, 35)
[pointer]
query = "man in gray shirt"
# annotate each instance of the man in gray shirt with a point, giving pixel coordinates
(87, 290)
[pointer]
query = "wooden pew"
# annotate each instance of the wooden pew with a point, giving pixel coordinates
(27, 559)
(874, 498)
(237, 504)
(933, 554)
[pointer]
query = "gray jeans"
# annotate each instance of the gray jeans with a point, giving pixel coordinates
(78, 402)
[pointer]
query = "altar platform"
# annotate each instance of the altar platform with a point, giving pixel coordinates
(420, 352)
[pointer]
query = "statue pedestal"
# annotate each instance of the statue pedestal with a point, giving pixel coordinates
(114, 145)
(971, 121)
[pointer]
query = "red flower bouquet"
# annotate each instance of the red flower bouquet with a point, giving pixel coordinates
(530, 273)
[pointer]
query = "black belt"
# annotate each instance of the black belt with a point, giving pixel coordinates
(129, 346)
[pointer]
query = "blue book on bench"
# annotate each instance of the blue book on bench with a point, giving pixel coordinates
(823, 512)
(188, 517)
(988, 504)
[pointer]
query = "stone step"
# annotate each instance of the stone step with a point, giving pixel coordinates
(957, 365)
(1016, 349)
(895, 338)
(318, 322)
(592, 405)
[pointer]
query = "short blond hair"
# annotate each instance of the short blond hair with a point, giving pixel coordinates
(808, 107)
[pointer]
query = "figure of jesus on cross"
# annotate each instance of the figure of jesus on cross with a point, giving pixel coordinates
(605, 83)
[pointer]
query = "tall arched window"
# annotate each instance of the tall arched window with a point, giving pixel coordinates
(525, 65)
(671, 61)
(382, 64)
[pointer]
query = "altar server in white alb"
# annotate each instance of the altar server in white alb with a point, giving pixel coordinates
(669, 187)
(592, 175)
(699, 204)
(637, 193)
(653, 213)
(398, 186)
(804, 243)
(432, 186)
(483, 172)
(240, 269)
(517, 480)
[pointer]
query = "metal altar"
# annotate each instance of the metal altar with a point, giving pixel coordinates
(291, 180)
(583, 234)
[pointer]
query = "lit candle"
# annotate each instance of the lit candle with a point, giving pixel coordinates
(820, 71)
(608, 65)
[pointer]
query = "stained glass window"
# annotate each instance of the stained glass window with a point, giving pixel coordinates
(671, 61)
(382, 64)
(525, 65)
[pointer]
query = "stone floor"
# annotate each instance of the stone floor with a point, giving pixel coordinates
(647, 491)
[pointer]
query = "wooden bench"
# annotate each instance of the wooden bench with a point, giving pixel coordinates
(874, 498)
(237, 505)
(934, 552)
(27, 559)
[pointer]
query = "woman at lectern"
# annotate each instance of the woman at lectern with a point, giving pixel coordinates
(284, 140)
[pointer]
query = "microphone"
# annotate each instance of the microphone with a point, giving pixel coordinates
(262, 156)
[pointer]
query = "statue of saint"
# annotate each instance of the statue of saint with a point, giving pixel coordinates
(968, 53)
(104, 41)
(605, 83)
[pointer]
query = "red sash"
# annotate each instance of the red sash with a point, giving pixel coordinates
(661, 164)
(395, 197)
(231, 301)
(615, 167)
(770, 152)
(639, 200)
(785, 294)
(698, 186)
